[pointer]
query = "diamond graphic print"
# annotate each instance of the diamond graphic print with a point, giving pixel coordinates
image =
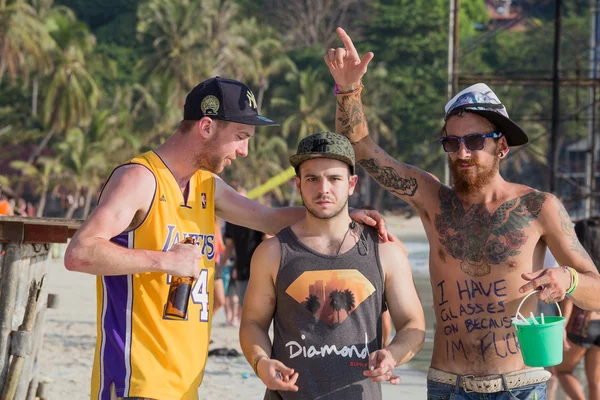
(331, 296)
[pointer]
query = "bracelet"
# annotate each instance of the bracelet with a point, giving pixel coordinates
(351, 92)
(255, 364)
(574, 281)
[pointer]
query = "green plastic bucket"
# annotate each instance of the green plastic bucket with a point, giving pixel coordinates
(541, 344)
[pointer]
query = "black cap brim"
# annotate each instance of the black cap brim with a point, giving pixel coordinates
(515, 136)
(255, 120)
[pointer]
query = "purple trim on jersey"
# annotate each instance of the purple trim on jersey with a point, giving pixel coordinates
(114, 329)
(121, 239)
(153, 196)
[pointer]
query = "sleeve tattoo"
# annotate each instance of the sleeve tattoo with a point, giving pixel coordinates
(389, 178)
(351, 114)
(567, 229)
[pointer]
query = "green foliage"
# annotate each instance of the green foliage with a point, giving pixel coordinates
(113, 75)
(122, 70)
(100, 12)
(120, 31)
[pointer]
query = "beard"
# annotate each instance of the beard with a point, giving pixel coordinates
(475, 179)
(322, 214)
(210, 159)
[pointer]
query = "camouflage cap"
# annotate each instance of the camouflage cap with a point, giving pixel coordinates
(324, 145)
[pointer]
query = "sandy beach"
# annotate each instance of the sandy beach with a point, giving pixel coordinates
(68, 349)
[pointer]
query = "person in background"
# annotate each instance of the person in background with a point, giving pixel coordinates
(242, 242)
(551, 310)
(219, 300)
(5, 208)
(582, 332)
(21, 208)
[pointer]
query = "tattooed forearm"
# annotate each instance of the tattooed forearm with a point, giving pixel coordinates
(389, 178)
(350, 115)
(566, 226)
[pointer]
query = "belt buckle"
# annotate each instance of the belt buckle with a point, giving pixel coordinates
(464, 383)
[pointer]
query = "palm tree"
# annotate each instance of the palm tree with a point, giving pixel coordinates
(337, 301)
(24, 40)
(89, 155)
(71, 92)
(260, 57)
(312, 304)
(191, 39)
(267, 157)
(159, 106)
(41, 174)
(350, 301)
(44, 12)
(312, 106)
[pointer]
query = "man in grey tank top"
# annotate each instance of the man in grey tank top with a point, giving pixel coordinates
(325, 282)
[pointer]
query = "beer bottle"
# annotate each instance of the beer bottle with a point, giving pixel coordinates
(179, 293)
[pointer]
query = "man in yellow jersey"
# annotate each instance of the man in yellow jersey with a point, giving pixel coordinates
(132, 242)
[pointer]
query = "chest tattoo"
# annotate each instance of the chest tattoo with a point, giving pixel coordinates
(479, 238)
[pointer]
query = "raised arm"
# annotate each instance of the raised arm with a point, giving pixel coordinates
(123, 205)
(562, 241)
(259, 308)
(406, 312)
(411, 184)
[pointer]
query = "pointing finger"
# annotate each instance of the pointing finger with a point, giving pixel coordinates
(347, 42)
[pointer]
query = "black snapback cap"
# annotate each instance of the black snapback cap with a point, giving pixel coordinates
(226, 100)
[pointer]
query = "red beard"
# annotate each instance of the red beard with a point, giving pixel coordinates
(472, 180)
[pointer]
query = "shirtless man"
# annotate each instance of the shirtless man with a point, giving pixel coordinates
(487, 237)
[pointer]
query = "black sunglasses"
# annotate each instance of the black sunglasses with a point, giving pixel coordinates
(473, 142)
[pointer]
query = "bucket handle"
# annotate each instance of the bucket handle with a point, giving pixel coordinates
(525, 298)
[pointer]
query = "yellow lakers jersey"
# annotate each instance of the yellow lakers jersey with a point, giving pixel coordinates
(138, 350)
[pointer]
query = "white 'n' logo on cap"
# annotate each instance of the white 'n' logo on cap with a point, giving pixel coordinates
(251, 99)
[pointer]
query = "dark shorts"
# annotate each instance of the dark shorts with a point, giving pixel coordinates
(592, 338)
(240, 288)
(440, 391)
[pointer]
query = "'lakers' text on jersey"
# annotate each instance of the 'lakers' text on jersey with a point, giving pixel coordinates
(139, 351)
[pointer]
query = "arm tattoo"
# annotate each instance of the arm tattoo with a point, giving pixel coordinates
(389, 178)
(567, 229)
(352, 115)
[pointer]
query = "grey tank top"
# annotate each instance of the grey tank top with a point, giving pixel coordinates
(328, 318)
